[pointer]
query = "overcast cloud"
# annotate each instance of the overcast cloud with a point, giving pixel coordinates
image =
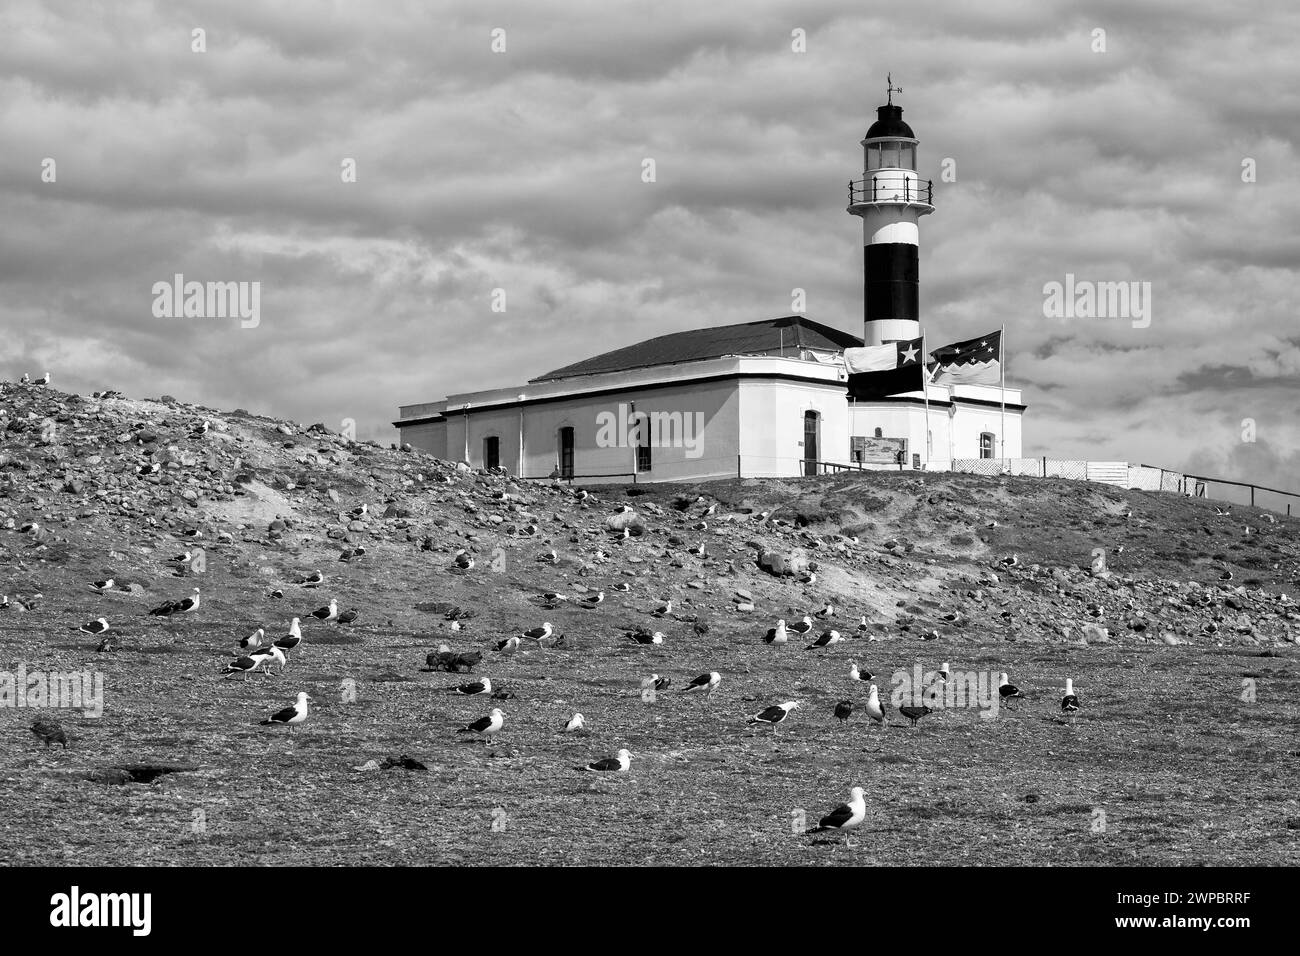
(522, 171)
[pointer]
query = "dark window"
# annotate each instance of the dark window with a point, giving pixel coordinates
(880, 433)
(566, 452)
(643, 458)
(492, 452)
(987, 444)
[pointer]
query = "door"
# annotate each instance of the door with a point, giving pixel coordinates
(986, 444)
(492, 452)
(566, 452)
(810, 443)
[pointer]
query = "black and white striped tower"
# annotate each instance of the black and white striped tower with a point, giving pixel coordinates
(891, 199)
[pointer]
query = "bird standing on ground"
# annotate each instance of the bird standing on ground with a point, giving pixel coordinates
(486, 726)
(843, 710)
(915, 713)
(328, 613)
(1069, 703)
(293, 715)
(777, 635)
(845, 817)
(705, 682)
(1008, 690)
(775, 714)
(185, 606)
(859, 675)
(50, 732)
(874, 709)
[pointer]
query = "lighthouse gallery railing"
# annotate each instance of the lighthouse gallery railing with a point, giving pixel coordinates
(892, 188)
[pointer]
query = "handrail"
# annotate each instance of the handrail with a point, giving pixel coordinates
(913, 189)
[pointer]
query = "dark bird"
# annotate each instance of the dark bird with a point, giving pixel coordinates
(328, 613)
(705, 682)
(94, 627)
(50, 732)
(857, 674)
(825, 640)
(846, 816)
(915, 713)
(360, 511)
(243, 665)
(348, 616)
(775, 714)
(843, 709)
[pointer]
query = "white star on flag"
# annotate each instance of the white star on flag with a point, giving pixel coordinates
(909, 354)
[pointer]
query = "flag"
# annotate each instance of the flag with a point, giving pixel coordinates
(880, 370)
(973, 362)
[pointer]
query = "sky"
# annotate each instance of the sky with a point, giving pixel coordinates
(1114, 142)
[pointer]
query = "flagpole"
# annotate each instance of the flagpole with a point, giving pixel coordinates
(925, 388)
(1002, 365)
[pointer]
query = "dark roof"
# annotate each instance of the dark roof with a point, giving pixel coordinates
(889, 123)
(750, 338)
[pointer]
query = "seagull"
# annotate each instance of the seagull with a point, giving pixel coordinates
(186, 606)
(4, 602)
(313, 580)
(348, 616)
(700, 526)
(641, 637)
(508, 646)
(661, 610)
(539, 633)
(1069, 703)
(862, 625)
(825, 640)
(775, 714)
(697, 551)
(94, 627)
(1226, 575)
(329, 613)
(487, 726)
(621, 763)
(801, 627)
(243, 665)
(581, 494)
(657, 682)
(827, 611)
(253, 641)
(50, 732)
(846, 816)
(293, 715)
(622, 510)
(915, 713)
(548, 557)
(1008, 690)
(591, 600)
(1010, 562)
(462, 562)
(874, 710)
(776, 635)
(181, 558)
(149, 468)
(856, 674)
(43, 380)
(268, 655)
(1223, 512)
(201, 429)
(943, 672)
(705, 682)
(291, 640)
(352, 554)
(360, 511)
(843, 709)
(472, 689)
(808, 578)
(574, 723)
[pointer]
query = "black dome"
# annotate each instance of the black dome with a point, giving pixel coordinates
(889, 123)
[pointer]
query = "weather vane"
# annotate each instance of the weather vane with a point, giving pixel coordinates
(889, 78)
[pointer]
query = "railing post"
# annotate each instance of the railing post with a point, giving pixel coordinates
(1252, 496)
(738, 466)
(873, 188)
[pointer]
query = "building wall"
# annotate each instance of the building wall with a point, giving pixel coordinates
(430, 437)
(772, 424)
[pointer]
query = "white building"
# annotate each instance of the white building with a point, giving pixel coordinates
(767, 398)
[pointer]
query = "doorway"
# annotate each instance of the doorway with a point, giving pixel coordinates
(810, 455)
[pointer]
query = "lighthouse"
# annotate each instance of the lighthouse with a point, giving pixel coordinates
(891, 199)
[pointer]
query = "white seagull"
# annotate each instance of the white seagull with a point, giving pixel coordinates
(473, 688)
(330, 613)
(777, 635)
(94, 627)
(619, 764)
(1069, 703)
(574, 723)
(253, 641)
(487, 726)
(801, 627)
(856, 674)
(775, 714)
(846, 816)
(874, 710)
(313, 580)
(705, 682)
(268, 655)
(291, 715)
(825, 640)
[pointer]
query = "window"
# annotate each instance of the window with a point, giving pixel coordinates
(810, 443)
(987, 444)
(909, 156)
(889, 155)
(566, 452)
(492, 452)
(642, 457)
(880, 433)
(873, 156)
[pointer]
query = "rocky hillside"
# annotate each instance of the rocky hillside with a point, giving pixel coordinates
(1059, 577)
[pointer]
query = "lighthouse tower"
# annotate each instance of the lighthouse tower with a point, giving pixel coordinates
(891, 199)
